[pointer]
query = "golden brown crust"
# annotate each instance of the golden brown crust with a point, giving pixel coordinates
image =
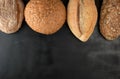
(110, 19)
(82, 17)
(11, 15)
(45, 16)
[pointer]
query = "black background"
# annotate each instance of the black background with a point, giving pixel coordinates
(29, 55)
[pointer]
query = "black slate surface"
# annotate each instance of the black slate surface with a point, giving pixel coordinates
(29, 55)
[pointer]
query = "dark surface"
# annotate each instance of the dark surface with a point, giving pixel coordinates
(29, 55)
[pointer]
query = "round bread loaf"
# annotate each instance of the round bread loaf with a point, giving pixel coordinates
(45, 16)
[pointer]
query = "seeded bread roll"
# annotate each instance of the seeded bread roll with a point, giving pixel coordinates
(82, 17)
(45, 16)
(11, 15)
(110, 19)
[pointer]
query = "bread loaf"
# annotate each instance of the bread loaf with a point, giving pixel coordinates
(110, 19)
(82, 17)
(45, 16)
(11, 15)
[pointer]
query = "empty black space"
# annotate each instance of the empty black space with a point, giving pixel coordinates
(30, 55)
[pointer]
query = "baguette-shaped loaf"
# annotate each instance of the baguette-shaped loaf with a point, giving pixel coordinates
(82, 17)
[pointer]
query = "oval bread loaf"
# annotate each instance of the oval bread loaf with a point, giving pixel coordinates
(82, 18)
(11, 15)
(110, 19)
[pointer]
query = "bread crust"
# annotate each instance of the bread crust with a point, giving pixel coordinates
(45, 16)
(110, 19)
(82, 17)
(11, 15)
